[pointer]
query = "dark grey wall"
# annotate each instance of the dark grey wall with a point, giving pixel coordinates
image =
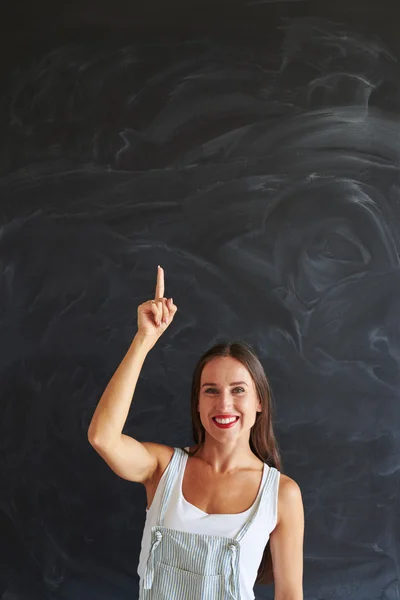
(253, 152)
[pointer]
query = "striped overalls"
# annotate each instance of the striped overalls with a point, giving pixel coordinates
(192, 566)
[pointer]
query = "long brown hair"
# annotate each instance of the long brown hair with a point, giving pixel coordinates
(262, 439)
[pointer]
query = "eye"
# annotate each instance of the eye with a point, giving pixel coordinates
(211, 390)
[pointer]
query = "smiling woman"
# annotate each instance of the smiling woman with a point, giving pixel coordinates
(221, 516)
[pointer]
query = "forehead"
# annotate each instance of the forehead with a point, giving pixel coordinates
(225, 369)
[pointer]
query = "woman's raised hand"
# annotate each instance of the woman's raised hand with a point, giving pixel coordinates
(154, 316)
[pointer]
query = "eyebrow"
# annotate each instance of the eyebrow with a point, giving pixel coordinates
(233, 383)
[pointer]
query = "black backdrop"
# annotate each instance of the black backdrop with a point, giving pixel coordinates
(252, 149)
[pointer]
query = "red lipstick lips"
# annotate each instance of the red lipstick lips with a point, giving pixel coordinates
(225, 421)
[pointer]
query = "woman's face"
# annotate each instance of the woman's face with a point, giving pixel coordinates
(228, 400)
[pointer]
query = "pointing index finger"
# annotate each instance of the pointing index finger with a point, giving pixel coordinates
(160, 283)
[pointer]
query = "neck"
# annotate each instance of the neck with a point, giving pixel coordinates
(227, 457)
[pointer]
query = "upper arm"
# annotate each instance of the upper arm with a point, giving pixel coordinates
(286, 541)
(133, 460)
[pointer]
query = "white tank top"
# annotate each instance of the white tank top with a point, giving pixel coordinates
(183, 516)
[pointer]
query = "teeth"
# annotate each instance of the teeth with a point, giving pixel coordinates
(225, 421)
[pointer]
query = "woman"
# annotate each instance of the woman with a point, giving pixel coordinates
(216, 510)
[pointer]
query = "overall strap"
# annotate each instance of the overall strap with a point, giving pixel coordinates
(176, 463)
(271, 476)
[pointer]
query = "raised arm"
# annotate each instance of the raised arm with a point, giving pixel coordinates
(127, 457)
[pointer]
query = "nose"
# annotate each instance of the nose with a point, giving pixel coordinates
(224, 401)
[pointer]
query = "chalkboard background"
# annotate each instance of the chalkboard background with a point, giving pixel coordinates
(252, 149)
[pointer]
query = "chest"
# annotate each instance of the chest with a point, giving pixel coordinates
(220, 493)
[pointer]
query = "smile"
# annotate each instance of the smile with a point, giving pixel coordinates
(225, 423)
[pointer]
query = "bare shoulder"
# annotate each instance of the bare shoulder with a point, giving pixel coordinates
(286, 541)
(288, 486)
(161, 453)
(290, 500)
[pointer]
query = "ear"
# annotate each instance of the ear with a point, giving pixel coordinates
(259, 407)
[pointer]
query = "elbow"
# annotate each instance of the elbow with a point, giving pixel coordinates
(96, 439)
(101, 441)
(291, 591)
(102, 434)
(93, 439)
